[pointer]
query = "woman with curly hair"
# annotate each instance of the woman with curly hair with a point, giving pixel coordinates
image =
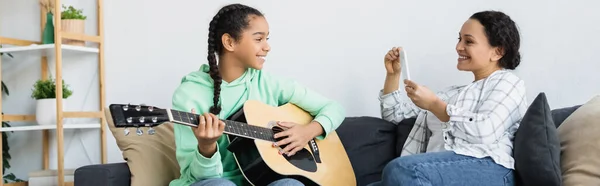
(463, 135)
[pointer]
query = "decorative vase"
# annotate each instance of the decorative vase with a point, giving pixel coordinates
(76, 26)
(48, 35)
(45, 111)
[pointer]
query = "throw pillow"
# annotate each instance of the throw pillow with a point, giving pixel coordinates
(403, 130)
(370, 144)
(580, 145)
(537, 147)
(559, 115)
(151, 158)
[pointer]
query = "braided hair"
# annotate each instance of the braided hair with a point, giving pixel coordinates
(230, 19)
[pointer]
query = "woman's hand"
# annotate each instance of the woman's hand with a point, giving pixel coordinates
(392, 61)
(420, 95)
(297, 136)
(426, 99)
(209, 129)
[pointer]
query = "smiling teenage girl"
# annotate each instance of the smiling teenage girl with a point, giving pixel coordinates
(463, 135)
(237, 47)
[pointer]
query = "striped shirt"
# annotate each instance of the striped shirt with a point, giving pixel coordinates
(484, 117)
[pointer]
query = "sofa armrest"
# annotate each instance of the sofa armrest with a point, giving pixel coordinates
(113, 174)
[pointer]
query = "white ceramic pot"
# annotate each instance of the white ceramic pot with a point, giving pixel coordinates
(45, 111)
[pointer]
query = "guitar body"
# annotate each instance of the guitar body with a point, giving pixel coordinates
(261, 163)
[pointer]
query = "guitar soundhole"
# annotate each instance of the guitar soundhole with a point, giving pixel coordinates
(303, 159)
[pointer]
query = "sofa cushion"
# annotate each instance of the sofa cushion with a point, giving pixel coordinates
(559, 115)
(537, 148)
(115, 174)
(402, 132)
(151, 158)
(580, 145)
(370, 144)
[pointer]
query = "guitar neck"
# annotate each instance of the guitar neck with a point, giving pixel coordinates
(231, 127)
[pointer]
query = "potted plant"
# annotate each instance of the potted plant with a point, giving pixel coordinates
(8, 54)
(44, 91)
(7, 177)
(73, 21)
(4, 88)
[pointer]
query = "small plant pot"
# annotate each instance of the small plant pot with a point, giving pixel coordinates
(45, 111)
(76, 26)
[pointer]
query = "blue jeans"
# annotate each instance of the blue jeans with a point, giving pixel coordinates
(226, 182)
(445, 168)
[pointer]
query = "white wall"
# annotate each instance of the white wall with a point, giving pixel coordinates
(335, 47)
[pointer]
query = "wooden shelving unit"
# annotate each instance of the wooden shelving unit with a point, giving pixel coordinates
(57, 50)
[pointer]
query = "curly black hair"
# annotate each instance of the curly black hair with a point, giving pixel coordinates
(231, 19)
(501, 32)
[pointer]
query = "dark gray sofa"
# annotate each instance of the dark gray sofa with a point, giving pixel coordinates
(370, 143)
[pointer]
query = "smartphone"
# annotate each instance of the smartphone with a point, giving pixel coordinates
(404, 64)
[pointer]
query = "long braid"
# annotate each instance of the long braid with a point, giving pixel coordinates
(231, 19)
(214, 70)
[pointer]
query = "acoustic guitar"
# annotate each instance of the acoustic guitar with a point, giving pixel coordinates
(250, 133)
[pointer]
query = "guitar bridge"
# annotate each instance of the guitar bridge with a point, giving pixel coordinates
(315, 150)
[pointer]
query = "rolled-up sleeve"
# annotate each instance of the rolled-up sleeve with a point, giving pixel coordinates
(396, 106)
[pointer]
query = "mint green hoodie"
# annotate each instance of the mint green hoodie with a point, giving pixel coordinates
(196, 91)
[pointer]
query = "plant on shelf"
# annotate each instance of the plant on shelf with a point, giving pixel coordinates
(72, 13)
(4, 88)
(5, 146)
(44, 91)
(8, 54)
(10, 177)
(73, 21)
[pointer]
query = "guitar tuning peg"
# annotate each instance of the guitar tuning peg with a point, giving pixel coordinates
(151, 131)
(150, 108)
(138, 108)
(125, 107)
(139, 131)
(126, 131)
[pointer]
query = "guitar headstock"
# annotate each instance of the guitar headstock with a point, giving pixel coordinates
(128, 115)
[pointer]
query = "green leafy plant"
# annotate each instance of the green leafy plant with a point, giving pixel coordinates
(6, 148)
(6, 157)
(8, 54)
(44, 89)
(4, 87)
(72, 13)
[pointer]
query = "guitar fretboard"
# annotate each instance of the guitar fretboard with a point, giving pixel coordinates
(231, 127)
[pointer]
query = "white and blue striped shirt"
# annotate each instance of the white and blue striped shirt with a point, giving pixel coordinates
(484, 117)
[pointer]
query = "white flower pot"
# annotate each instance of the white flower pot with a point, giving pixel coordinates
(45, 111)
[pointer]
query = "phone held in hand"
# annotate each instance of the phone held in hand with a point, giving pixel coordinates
(404, 64)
